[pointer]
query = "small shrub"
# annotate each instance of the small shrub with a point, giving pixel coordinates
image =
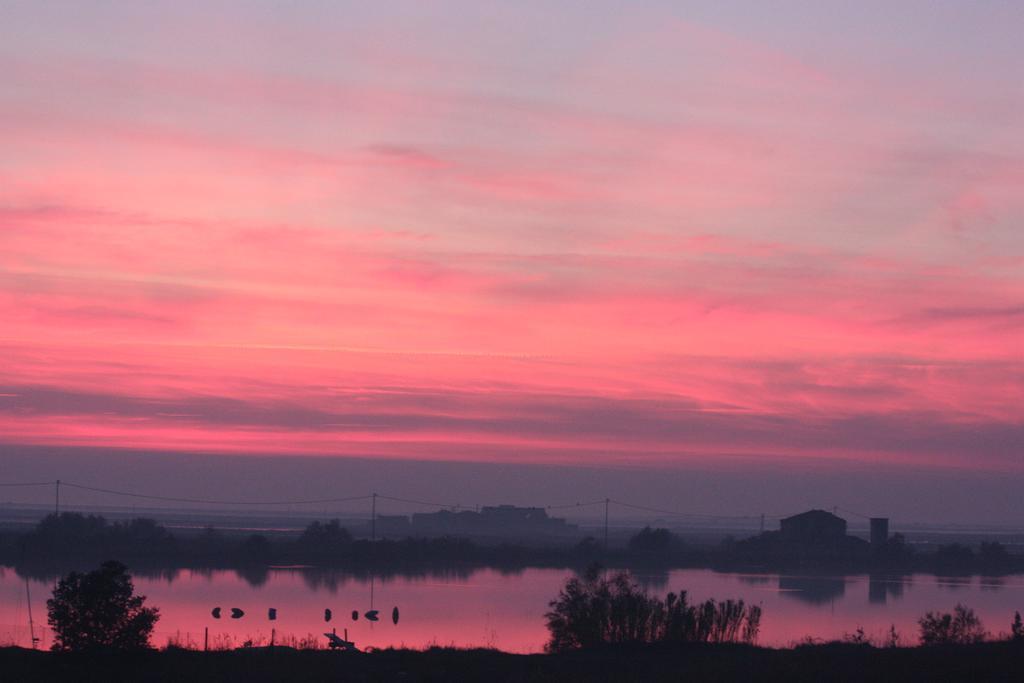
(1017, 628)
(858, 637)
(962, 627)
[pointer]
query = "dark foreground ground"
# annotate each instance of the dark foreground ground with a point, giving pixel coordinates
(836, 662)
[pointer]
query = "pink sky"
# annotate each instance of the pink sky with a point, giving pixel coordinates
(497, 234)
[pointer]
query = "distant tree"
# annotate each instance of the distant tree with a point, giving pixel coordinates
(67, 533)
(256, 548)
(993, 554)
(210, 538)
(71, 534)
(649, 540)
(328, 539)
(1017, 628)
(141, 535)
(143, 530)
(99, 610)
(962, 627)
(954, 555)
(897, 548)
(589, 547)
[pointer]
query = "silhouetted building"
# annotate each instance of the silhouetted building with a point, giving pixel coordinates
(812, 537)
(879, 532)
(393, 525)
(510, 514)
(499, 520)
(813, 526)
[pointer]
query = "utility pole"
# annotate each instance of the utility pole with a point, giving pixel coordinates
(31, 624)
(56, 499)
(606, 502)
(373, 518)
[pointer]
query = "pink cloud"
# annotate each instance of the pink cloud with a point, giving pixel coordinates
(633, 263)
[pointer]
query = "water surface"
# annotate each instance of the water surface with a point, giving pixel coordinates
(492, 608)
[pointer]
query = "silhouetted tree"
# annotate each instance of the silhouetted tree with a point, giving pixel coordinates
(99, 610)
(962, 627)
(71, 534)
(328, 539)
(649, 540)
(1017, 628)
(954, 555)
(589, 548)
(993, 554)
(66, 534)
(140, 536)
(591, 611)
(256, 548)
(897, 548)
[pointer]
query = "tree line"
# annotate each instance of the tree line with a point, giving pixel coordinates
(74, 537)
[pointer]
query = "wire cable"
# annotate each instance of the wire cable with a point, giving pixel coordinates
(210, 501)
(854, 513)
(682, 514)
(575, 505)
(397, 499)
(419, 502)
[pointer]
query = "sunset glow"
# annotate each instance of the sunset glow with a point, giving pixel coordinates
(654, 238)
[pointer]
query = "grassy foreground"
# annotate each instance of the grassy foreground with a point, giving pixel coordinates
(997, 661)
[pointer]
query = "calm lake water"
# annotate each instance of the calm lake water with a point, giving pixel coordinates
(506, 610)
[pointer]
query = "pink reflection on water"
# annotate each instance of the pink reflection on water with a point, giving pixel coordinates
(490, 608)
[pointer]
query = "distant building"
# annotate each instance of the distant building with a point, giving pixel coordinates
(498, 520)
(879, 532)
(510, 514)
(444, 522)
(810, 537)
(393, 525)
(813, 526)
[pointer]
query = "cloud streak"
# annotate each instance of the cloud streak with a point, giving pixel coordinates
(668, 241)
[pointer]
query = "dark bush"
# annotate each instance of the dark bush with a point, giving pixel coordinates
(993, 554)
(99, 610)
(652, 541)
(962, 627)
(593, 611)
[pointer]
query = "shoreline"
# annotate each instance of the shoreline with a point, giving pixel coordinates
(990, 661)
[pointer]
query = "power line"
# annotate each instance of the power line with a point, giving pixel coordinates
(418, 502)
(854, 513)
(397, 499)
(675, 513)
(210, 501)
(575, 505)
